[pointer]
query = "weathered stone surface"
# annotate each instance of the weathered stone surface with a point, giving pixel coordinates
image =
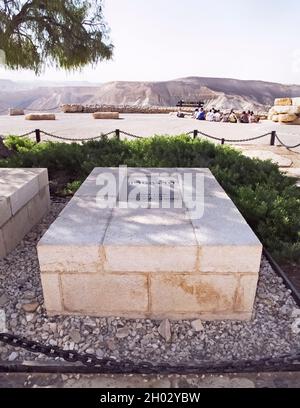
(246, 292)
(106, 115)
(150, 240)
(283, 101)
(173, 295)
(52, 293)
(40, 116)
(16, 228)
(5, 210)
(110, 294)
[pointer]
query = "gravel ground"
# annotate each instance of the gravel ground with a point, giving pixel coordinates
(273, 331)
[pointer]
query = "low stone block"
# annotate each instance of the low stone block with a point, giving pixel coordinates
(158, 262)
(52, 293)
(283, 102)
(19, 186)
(16, 112)
(106, 115)
(40, 116)
(112, 294)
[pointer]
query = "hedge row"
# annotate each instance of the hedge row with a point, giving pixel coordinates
(269, 201)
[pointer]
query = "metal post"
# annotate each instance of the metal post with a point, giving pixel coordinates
(37, 135)
(223, 141)
(118, 134)
(273, 138)
(195, 134)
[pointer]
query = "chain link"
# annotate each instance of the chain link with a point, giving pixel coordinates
(32, 132)
(131, 135)
(283, 144)
(77, 139)
(110, 365)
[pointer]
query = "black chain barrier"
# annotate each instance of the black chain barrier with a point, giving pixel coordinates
(109, 365)
(283, 144)
(195, 133)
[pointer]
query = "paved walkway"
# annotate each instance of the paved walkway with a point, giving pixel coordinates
(83, 125)
(259, 380)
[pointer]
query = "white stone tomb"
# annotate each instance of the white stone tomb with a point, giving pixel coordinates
(155, 262)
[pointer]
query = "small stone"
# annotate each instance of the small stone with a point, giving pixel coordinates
(99, 353)
(296, 313)
(296, 326)
(122, 333)
(30, 307)
(2, 321)
(197, 325)
(75, 336)
(13, 356)
(111, 345)
(29, 317)
(3, 299)
(29, 294)
(165, 330)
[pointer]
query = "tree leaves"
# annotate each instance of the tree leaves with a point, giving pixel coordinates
(67, 34)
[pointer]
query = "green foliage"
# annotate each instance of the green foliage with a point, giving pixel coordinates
(269, 201)
(18, 144)
(72, 187)
(65, 33)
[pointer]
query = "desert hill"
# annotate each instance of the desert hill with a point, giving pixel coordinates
(216, 92)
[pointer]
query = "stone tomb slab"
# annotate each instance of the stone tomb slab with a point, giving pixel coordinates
(141, 259)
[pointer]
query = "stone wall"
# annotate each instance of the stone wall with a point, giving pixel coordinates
(77, 108)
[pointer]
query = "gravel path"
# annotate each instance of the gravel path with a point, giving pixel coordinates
(272, 332)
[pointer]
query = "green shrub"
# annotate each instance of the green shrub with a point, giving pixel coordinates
(269, 201)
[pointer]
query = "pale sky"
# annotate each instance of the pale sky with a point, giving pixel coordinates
(165, 39)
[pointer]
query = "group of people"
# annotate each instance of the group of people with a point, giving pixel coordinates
(214, 115)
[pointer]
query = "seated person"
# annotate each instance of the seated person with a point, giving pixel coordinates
(232, 118)
(210, 116)
(244, 118)
(201, 114)
(217, 116)
(196, 113)
(180, 114)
